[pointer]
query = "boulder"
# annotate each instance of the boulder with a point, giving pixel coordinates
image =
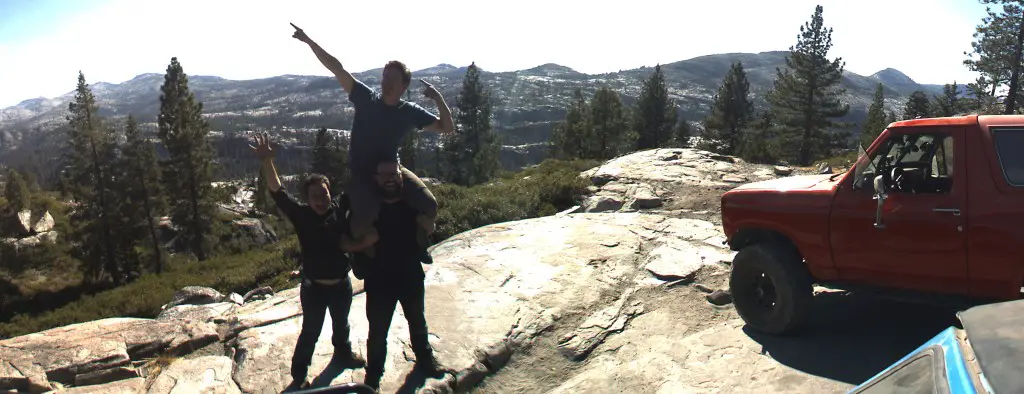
(259, 293)
(194, 295)
(44, 224)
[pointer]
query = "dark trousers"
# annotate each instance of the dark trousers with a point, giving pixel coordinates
(365, 202)
(316, 300)
(381, 300)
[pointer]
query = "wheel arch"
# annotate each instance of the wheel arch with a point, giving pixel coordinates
(753, 235)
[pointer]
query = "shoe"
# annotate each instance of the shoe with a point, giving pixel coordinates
(347, 360)
(372, 380)
(429, 366)
(427, 258)
(296, 385)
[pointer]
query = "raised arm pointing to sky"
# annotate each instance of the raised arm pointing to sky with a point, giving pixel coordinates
(332, 63)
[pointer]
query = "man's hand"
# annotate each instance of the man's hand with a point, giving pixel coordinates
(429, 90)
(299, 34)
(262, 148)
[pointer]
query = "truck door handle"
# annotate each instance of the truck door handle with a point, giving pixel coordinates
(954, 211)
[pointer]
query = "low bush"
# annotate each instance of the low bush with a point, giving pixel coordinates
(542, 190)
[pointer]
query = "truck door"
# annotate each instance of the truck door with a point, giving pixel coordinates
(920, 243)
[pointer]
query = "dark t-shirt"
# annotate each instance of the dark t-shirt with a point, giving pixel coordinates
(378, 128)
(319, 236)
(398, 254)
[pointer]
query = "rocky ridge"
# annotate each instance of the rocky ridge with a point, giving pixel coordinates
(577, 301)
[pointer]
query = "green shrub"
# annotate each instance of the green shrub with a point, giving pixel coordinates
(143, 298)
(542, 190)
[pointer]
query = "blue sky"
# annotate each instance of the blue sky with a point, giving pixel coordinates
(43, 43)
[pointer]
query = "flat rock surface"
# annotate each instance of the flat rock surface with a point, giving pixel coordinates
(680, 182)
(718, 359)
(61, 354)
(479, 295)
(207, 374)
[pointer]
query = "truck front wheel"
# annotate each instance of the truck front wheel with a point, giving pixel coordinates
(771, 288)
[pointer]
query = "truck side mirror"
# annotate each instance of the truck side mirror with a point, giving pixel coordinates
(880, 196)
(879, 183)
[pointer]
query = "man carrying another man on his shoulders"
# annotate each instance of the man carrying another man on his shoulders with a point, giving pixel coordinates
(396, 276)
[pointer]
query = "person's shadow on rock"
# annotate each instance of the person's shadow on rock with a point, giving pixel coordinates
(325, 377)
(413, 381)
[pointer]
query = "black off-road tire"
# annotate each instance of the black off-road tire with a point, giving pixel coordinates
(763, 269)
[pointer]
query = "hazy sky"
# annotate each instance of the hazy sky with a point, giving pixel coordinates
(44, 43)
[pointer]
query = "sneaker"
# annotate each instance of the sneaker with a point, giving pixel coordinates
(296, 385)
(429, 366)
(372, 380)
(348, 360)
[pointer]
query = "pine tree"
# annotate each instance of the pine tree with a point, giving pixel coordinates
(759, 144)
(807, 95)
(569, 137)
(339, 171)
(329, 159)
(949, 103)
(876, 122)
(730, 114)
(682, 133)
(89, 172)
(16, 192)
(143, 195)
(917, 106)
(473, 152)
(655, 113)
(997, 50)
(323, 155)
(891, 118)
(979, 99)
(261, 199)
(610, 134)
(189, 168)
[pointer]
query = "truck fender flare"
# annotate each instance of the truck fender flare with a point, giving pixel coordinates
(752, 233)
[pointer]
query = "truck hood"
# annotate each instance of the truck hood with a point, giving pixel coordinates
(800, 182)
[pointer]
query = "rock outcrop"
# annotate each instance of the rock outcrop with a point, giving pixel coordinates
(583, 280)
(29, 234)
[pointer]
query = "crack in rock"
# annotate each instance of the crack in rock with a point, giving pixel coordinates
(592, 331)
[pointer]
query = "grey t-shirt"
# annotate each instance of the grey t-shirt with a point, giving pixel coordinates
(378, 128)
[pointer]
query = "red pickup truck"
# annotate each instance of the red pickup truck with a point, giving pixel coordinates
(934, 207)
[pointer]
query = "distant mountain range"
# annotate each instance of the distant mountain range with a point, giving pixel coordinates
(527, 103)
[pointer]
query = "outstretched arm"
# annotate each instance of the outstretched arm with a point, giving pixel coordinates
(282, 199)
(266, 155)
(332, 63)
(443, 124)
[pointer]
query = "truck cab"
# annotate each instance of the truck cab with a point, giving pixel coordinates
(931, 206)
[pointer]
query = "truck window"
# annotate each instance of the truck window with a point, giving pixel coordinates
(914, 163)
(1009, 145)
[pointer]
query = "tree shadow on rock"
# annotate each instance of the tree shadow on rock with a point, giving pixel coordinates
(851, 338)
